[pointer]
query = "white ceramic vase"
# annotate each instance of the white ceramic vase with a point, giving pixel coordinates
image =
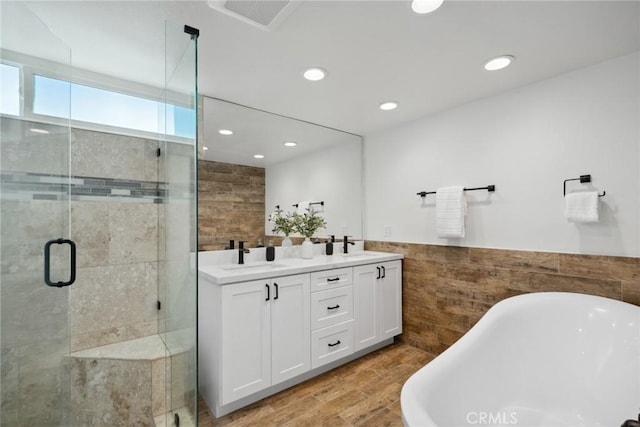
(286, 242)
(306, 251)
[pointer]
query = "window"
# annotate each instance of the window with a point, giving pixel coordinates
(51, 97)
(30, 88)
(9, 90)
(54, 97)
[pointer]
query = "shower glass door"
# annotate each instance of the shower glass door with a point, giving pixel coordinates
(34, 210)
(177, 284)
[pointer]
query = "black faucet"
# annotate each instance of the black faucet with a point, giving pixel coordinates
(345, 244)
(240, 252)
(231, 246)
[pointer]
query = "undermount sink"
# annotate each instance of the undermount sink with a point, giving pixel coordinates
(252, 266)
(357, 254)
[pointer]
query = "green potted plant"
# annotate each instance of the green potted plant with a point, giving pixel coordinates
(283, 224)
(307, 224)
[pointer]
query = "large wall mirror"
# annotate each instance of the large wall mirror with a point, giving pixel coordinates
(249, 166)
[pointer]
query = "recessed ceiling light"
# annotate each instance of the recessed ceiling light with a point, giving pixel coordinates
(425, 6)
(290, 144)
(225, 132)
(389, 105)
(315, 74)
(258, 156)
(36, 130)
(498, 63)
(205, 148)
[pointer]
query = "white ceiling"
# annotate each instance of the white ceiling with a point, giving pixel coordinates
(374, 51)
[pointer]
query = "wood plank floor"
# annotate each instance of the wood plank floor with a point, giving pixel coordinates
(365, 392)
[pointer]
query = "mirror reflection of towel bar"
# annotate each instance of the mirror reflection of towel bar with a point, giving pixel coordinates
(312, 203)
(583, 180)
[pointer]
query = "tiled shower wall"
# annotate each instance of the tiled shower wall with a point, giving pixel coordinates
(116, 292)
(114, 221)
(230, 204)
(447, 289)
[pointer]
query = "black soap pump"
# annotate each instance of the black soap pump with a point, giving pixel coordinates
(329, 247)
(271, 251)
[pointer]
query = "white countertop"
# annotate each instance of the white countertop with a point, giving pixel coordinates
(256, 270)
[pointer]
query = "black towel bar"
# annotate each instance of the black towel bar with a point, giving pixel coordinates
(488, 188)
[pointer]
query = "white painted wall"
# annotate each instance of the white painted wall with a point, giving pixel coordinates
(526, 142)
(332, 175)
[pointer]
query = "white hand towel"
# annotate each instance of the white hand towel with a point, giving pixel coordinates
(581, 206)
(303, 207)
(451, 207)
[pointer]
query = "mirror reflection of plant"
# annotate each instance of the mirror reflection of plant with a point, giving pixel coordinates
(282, 223)
(308, 223)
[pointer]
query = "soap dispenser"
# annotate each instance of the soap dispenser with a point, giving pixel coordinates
(329, 246)
(271, 251)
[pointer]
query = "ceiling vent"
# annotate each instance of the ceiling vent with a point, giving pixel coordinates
(264, 14)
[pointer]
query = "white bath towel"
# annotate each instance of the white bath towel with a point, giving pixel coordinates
(451, 208)
(581, 206)
(303, 207)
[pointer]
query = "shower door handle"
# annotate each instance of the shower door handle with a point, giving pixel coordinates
(47, 262)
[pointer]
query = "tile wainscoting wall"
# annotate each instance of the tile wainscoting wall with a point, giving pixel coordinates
(230, 204)
(447, 289)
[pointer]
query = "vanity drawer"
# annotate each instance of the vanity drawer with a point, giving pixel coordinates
(329, 279)
(332, 343)
(331, 307)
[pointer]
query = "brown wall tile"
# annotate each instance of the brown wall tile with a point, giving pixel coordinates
(521, 260)
(447, 289)
(395, 247)
(447, 253)
(631, 292)
(540, 282)
(447, 336)
(230, 204)
(604, 267)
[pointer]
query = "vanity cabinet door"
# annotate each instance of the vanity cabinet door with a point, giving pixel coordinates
(365, 301)
(245, 339)
(390, 300)
(290, 327)
(266, 334)
(377, 302)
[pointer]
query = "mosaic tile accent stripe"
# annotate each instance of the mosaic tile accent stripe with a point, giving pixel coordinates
(33, 186)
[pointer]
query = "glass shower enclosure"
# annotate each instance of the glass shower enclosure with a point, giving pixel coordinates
(98, 229)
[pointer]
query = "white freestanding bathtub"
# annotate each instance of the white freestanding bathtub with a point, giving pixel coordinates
(543, 359)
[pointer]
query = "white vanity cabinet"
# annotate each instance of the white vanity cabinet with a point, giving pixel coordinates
(263, 328)
(264, 334)
(377, 302)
